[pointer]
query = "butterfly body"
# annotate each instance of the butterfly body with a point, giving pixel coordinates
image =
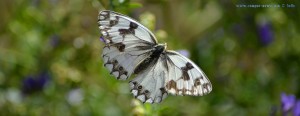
(130, 48)
(158, 50)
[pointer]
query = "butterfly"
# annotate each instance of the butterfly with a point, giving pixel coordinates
(131, 49)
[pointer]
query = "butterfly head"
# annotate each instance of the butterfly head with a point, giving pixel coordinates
(160, 48)
(164, 46)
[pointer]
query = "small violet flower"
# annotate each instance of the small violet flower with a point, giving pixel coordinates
(184, 53)
(287, 102)
(296, 110)
(102, 39)
(265, 33)
(36, 83)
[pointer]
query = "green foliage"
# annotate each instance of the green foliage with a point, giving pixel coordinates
(250, 55)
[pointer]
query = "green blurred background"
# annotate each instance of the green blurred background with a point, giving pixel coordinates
(50, 52)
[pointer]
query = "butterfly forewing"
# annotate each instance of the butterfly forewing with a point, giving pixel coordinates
(127, 43)
(114, 27)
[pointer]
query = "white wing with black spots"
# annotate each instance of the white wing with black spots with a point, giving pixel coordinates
(148, 85)
(115, 27)
(121, 61)
(184, 77)
(127, 43)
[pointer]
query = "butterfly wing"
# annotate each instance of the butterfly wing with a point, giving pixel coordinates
(127, 43)
(171, 73)
(115, 27)
(184, 77)
(148, 85)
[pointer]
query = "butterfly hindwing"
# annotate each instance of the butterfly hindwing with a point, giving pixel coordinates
(184, 77)
(148, 85)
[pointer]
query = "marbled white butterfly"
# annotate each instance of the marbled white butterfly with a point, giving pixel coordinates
(130, 48)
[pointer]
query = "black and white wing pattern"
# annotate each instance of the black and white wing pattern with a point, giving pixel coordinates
(149, 84)
(130, 48)
(127, 43)
(184, 77)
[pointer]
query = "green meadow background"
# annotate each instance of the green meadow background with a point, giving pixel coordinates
(50, 56)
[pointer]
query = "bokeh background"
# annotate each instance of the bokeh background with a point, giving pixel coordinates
(50, 60)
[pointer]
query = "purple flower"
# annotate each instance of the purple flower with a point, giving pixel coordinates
(296, 110)
(102, 39)
(287, 102)
(265, 33)
(36, 83)
(184, 53)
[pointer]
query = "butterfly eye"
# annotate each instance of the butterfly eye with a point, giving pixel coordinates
(146, 91)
